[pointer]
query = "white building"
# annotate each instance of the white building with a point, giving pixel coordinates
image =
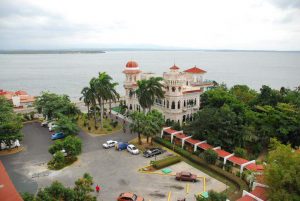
(182, 91)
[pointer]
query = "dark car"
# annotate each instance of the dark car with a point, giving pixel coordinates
(186, 176)
(152, 152)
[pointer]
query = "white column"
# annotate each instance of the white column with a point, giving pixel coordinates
(226, 157)
(183, 139)
(195, 146)
(172, 135)
(217, 148)
(162, 131)
(251, 195)
(245, 164)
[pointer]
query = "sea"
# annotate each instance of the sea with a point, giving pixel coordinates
(67, 73)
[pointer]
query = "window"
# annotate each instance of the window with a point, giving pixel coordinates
(167, 104)
(173, 89)
(184, 104)
(130, 107)
(178, 105)
(173, 105)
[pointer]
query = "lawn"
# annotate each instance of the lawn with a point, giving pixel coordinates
(107, 127)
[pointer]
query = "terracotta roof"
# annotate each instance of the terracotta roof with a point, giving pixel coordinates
(170, 131)
(192, 91)
(131, 71)
(205, 146)
(192, 141)
(246, 198)
(21, 92)
(180, 135)
(132, 64)
(174, 67)
(237, 160)
(195, 70)
(8, 191)
(254, 167)
(260, 192)
(3, 92)
(222, 153)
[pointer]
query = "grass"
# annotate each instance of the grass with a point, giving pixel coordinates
(107, 128)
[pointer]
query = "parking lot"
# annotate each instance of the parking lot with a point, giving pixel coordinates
(114, 171)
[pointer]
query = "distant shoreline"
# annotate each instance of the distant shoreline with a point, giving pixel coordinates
(51, 51)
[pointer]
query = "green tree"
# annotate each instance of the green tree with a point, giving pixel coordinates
(28, 196)
(210, 156)
(268, 96)
(243, 93)
(83, 187)
(58, 160)
(240, 152)
(10, 123)
(148, 91)
(282, 172)
(88, 98)
(66, 125)
(138, 120)
(213, 196)
(153, 124)
(72, 145)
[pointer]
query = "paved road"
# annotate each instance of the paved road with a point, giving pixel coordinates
(24, 167)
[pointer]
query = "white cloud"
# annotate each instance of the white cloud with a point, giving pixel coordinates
(214, 24)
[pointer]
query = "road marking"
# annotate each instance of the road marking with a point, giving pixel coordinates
(169, 196)
(187, 188)
(204, 184)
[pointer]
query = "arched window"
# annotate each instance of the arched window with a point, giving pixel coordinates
(130, 107)
(173, 89)
(167, 104)
(187, 83)
(178, 105)
(184, 103)
(173, 105)
(195, 101)
(183, 118)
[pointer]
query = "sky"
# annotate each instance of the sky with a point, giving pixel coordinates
(170, 24)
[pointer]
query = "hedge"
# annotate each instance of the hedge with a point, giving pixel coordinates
(234, 179)
(165, 162)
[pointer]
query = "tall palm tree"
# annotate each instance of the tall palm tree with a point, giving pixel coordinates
(93, 97)
(87, 96)
(113, 94)
(148, 90)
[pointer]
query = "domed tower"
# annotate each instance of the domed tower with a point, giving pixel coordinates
(133, 74)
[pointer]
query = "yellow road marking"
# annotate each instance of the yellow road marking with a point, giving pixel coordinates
(204, 184)
(187, 188)
(169, 196)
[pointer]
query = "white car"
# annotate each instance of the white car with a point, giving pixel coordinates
(132, 149)
(44, 123)
(109, 144)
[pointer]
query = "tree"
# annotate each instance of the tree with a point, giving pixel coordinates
(83, 187)
(282, 172)
(88, 98)
(243, 93)
(72, 145)
(148, 91)
(66, 125)
(10, 123)
(154, 122)
(240, 152)
(138, 120)
(268, 96)
(210, 156)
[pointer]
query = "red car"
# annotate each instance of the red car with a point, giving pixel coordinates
(186, 176)
(129, 197)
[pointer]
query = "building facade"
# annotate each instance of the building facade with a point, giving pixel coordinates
(20, 99)
(182, 91)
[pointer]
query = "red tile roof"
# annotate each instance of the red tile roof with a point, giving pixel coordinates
(254, 167)
(132, 64)
(260, 192)
(195, 70)
(237, 160)
(170, 131)
(222, 153)
(174, 67)
(8, 191)
(246, 198)
(180, 135)
(192, 141)
(21, 92)
(205, 146)
(192, 91)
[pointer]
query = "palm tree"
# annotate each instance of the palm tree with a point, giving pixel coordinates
(148, 90)
(153, 124)
(87, 96)
(137, 125)
(113, 94)
(93, 97)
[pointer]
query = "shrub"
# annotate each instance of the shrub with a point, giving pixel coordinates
(240, 152)
(210, 156)
(165, 162)
(109, 129)
(105, 126)
(114, 123)
(58, 160)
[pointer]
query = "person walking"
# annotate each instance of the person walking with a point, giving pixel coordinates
(97, 188)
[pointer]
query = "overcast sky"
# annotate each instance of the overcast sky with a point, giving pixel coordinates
(210, 24)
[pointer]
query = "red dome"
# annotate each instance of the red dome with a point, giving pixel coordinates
(132, 64)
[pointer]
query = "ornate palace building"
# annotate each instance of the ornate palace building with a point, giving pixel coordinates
(182, 91)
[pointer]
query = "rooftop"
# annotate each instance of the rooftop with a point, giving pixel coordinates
(205, 146)
(195, 70)
(237, 160)
(222, 153)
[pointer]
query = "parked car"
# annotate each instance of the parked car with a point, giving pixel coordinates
(50, 123)
(44, 123)
(56, 136)
(152, 152)
(129, 197)
(121, 146)
(186, 176)
(52, 127)
(132, 149)
(109, 144)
